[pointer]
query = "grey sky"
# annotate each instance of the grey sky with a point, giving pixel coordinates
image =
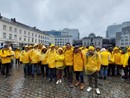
(86, 15)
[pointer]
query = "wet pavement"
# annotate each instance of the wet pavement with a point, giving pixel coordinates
(17, 86)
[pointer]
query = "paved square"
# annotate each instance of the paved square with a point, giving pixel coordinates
(16, 86)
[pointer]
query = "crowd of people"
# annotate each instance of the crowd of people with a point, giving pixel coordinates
(54, 63)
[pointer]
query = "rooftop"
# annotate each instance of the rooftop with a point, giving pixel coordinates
(14, 22)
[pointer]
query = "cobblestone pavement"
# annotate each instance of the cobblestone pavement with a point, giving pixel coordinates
(16, 86)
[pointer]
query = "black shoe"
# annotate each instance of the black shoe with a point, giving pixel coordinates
(105, 78)
(8, 74)
(124, 77)
(50, 80)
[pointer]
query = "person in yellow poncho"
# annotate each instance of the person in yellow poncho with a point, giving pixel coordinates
(44, 65)
(105, 55)
(79, 63)
(17, 56)
(128, 51)
(34, 55)
(124, 62)
(59, 64)
(92, 67)
(24, 58)
(51, 61)
(117, 59)
(111, 67)
(5, 55)
(98, 49)
(69, 63)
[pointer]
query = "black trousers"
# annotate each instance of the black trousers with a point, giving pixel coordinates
(17, 61)
(44, 70)
(126, 71)
(69, 73)
(5, 69)
(111, 69)
(118, 69)
(90, 78)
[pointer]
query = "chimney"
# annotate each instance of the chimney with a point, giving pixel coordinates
(14, 20)
(34, 27)
(0, 15)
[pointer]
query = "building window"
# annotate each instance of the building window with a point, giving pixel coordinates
(24, 39)
(122, 40)
(126, 36)
(32, 39)
(126, 43)
(38, 36)
(10, 29)
(4, 27)
(15, 36)
(35, 35)
(99, 43)
(20, 38)
(15, 30)
(1, 44)
(32, 34)
(10, 36)
(20, 31)
(24, 32)
(28, 39)
(28, 33)
(4, 35)
(126, 39)
(35, 40)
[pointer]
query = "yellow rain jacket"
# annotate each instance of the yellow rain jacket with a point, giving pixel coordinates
(51, 58)
(60, 61)
(105, 58)
(17, 54)
(5, 56)
(34, 55)
(43, 58)
(24, 58)
(124, 59)
(79, 61)
(69, 57)
(93, 63)
(111, 58)
(117, 58)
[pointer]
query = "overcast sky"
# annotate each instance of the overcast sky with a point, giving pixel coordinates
(86, 15)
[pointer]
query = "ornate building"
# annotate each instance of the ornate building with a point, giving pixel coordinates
(92, 39)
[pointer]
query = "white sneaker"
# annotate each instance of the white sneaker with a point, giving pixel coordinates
(98, 91)
(57, 82)
(60, 81)
(89, 89)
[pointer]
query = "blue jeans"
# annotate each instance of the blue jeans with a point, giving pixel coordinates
(79, 74)
(103, 71)
(25, 68)
(52, 73)
(35, 67)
